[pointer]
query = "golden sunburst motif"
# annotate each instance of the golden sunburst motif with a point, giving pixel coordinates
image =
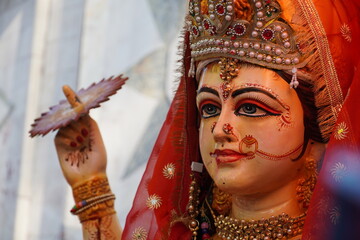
(139, 234)
(346, 32)
(153, 202)
(169, 171)
(341, 131)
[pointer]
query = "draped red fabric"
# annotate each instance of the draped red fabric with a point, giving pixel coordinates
(159, 208)
(177, 144)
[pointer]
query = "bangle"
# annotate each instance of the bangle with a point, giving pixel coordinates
(85, 203)
(94, 199)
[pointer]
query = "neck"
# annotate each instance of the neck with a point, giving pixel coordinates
(265, 205)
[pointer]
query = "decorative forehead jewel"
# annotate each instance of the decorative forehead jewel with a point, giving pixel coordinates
(250, 30)
(228, 70)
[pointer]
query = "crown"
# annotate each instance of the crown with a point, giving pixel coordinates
(250, 30)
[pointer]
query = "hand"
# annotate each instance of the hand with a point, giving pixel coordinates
(80, 147)
(81, 151)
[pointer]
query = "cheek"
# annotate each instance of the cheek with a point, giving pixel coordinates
(205, 134)
(207, 144)
(263, 135)
(284, 144)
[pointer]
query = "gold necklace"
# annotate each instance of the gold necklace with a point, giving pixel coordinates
(277, 227)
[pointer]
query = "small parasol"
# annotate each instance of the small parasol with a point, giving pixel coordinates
(76, 105)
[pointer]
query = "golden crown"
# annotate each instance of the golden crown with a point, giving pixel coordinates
(250, 30)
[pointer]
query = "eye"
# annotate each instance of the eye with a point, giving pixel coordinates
(208, 110)
(251, 108)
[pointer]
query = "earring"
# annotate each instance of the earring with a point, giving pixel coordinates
(306, 184)
(221, 201)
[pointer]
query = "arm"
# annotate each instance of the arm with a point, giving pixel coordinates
(98, 221)
(82, 158)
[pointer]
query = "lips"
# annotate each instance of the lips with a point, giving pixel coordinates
(227, 156)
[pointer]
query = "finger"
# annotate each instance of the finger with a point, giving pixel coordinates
(72, 138)
(69, 132)
(72, 98)
(94, 129)
(75, 128)
(67, 144)
(82, 127)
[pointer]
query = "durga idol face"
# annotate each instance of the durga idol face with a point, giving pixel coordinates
(251, 131)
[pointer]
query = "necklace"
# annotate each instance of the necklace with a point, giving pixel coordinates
(277, 227)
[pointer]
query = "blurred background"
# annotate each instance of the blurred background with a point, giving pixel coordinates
(45, 44)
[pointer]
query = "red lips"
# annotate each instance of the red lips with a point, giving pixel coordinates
(227, 156)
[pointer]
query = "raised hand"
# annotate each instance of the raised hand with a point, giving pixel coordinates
(80, 147)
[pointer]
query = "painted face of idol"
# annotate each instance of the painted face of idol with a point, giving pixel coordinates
(251, 134)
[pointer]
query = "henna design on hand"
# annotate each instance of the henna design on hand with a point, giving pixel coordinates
(91, 230)
(106, 231)
(82, 146)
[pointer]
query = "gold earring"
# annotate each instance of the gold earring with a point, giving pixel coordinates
(306, 184)
(221, 201)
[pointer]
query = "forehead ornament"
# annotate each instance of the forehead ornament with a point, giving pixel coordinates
(228, 71)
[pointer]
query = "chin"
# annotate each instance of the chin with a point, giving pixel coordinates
(230, 181)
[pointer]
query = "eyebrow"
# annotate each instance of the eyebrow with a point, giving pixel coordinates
(251, 89)
(209, 90)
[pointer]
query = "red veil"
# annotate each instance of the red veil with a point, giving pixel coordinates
(335, 206)
(159, 208)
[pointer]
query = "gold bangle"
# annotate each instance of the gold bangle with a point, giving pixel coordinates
(91, 189)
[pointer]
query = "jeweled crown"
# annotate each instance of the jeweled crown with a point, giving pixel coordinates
(250, 30)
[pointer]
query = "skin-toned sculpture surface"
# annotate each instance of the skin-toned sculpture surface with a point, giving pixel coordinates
(258, 100)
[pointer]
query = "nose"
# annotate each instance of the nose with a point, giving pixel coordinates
(224, 132)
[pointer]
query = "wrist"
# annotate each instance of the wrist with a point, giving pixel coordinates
(93, 198)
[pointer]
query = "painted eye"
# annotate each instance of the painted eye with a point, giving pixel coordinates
(253, 109)
(209, 110)
(249, 108)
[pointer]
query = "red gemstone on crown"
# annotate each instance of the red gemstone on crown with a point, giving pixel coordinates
(220, 9)
(268, 34)
(195, 31)
(239, 29)
(206, 25)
